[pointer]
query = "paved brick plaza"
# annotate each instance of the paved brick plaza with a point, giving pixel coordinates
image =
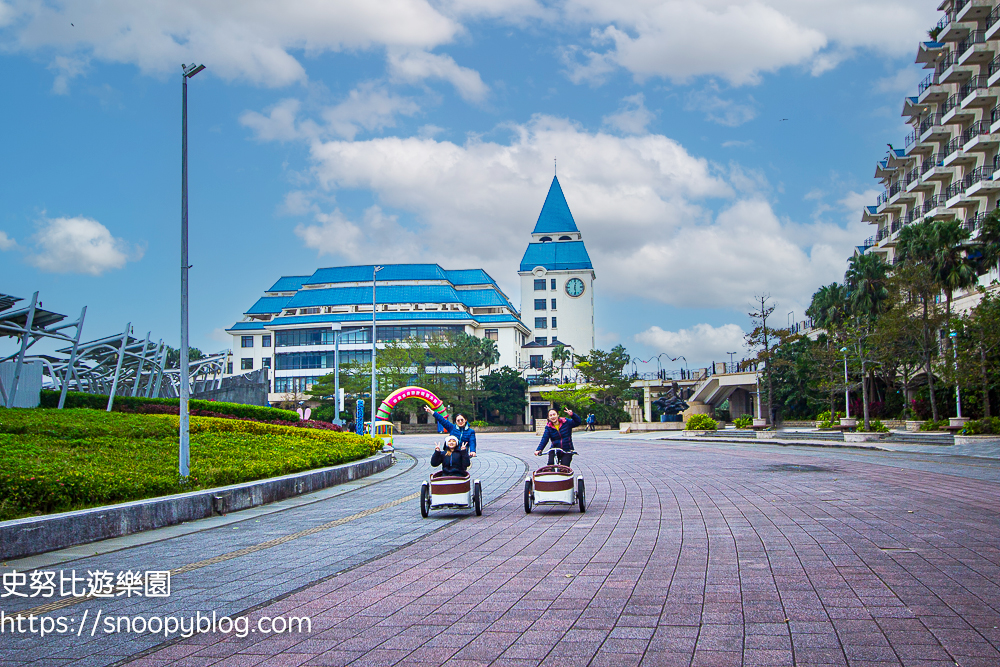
(690, 554)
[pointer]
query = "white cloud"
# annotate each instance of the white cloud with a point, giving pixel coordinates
(368, 107)
(700, 343)
(66, 69)
(720, 110)
(335, 235)
(249, 40)
(80, 245)
(6, 242)
(642, 203)
(738, 40)
(903, 82)
(737, 144)
(632, 117)
(416, 66)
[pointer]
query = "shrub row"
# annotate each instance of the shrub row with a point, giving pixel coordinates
(981, 426)
(76, 399)
(701, 423)
(71, 459)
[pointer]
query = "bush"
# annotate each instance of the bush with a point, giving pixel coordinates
(931, 425)
(744, 421)
(827, 417)
(479, 423)
(981, 427)
(701, 423)
(70, 459)
(828, 424)
(76, 399)
(874, 426)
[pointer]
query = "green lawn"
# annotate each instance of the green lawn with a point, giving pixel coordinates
(58, 460)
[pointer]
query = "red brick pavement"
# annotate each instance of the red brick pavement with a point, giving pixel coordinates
(688, 555)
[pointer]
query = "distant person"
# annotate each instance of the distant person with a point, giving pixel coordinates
(559, 435)
(453, 459)
(460, 429)
(591, 422)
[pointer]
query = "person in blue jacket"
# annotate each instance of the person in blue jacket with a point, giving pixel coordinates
(559, 434)
(460, 429)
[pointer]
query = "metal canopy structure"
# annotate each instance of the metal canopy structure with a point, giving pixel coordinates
(118, 365)
(30, 325)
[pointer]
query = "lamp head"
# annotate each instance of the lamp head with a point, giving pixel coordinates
(191, 70)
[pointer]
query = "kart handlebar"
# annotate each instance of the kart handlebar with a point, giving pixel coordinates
(564, 451)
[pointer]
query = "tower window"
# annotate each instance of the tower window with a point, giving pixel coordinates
(246, 341)
(539, 304)
(539, 284)
(565, 238)
(492, 334)
(541, 322)
(553, 283)
(545, 239)
(265, 341)
(542, 340)
(553, 304)
(553, 323)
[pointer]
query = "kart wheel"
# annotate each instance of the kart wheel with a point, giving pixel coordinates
(581, 494)
(477, 499)
(529, 499)
(425, 501)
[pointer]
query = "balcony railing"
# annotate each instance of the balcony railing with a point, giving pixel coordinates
(983, 173)
(995, 114)
(928, 81)
(868, 242)
(894, 189)
(958, 5)
(977, 128)
(953, 146)
(975, 37)
(947, 105)
(993, 17)
(931, 161)
(994, 65)
(974, 222)
(935, 119)
(882, 198)
(932, 202)
(910, 217)
(912, 176)
(882, 233)
(947, 61)
(910, 139)
(974, 84)
(945, 20)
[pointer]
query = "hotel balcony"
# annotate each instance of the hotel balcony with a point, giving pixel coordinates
(949, 70)
(978, 93)
(954, 31)
(993, 24)
(974, 49)
(972, 10)
(933, 168)
(871, 215)
(979, 139)
(930, 90)
(954, 153)
(980, 182)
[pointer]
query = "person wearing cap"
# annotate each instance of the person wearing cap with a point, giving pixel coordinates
(460, 429)
(453, 459)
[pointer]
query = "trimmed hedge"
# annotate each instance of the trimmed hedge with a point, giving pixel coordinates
(56, 461)
(77, 399)
(701, 423)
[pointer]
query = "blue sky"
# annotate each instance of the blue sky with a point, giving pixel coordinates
(411, 131)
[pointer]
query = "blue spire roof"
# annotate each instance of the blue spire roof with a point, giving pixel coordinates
(555, 216)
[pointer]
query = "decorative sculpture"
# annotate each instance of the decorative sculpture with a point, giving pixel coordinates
(671, 404)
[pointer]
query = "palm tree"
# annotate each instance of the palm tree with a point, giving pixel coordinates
(829, 306)
(952, 266)
(867, 285)
(563, 356)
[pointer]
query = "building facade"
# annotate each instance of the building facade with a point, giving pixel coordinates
(557, 284)
(949, 165)
(291, 329)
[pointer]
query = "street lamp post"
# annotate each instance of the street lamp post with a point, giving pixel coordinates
(187, 71)
(958, 391)
(375, 270)
(847, 390)
(730, 358)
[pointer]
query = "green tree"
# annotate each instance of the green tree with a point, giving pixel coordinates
(504, 391)
(866, 284)
(561, 355)
(977, 345)
(829, 306)
(174, 356)
(603, 371)
(763, 340)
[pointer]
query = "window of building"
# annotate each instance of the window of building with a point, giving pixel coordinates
(246, 341)
(419, 331)
(293, 361)
(553, 283)
(540, 284)
(246, 364)
(229, 368)
(541, 323)
(553, 304)
(542, 340)
(536, 361)
(554, 323)
(539, 304)
(294, 385)
(308, 311)
(323, 336)
(266, 362)
(266, 340)
(493, 334)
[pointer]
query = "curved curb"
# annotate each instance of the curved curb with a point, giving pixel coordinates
(34, 535)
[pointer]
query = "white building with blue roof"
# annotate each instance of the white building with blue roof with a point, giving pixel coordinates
(291, 329)
(557, 283)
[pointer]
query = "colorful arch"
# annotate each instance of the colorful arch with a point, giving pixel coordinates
(393, 399)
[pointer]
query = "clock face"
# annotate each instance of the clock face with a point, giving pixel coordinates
(574, 287)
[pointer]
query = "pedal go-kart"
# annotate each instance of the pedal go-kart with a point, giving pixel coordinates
(450, 492)
(554, 485)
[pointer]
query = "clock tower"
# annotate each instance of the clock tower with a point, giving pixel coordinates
(557, 283)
